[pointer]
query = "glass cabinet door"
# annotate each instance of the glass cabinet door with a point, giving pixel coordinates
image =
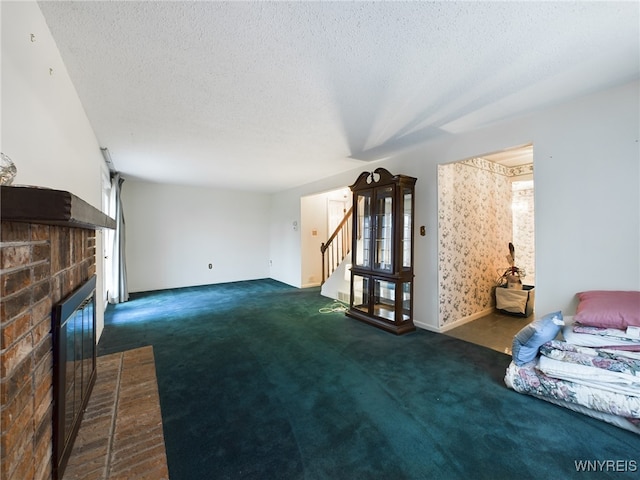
(360, 293)
(392, 300)
(407, 228)
(362, 245)
(384, 305)
(383, 248)
(406, 301)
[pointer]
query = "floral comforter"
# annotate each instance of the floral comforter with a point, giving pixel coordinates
(596, 337)
(610, 370)
(601, 380)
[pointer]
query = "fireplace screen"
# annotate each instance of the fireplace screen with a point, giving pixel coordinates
(74, 367)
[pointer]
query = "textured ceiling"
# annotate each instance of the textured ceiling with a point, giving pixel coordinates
(270, 95)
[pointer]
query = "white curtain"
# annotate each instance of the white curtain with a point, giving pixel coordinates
(118, 290)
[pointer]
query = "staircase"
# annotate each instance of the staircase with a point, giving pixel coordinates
(337, 247)
(336, 261)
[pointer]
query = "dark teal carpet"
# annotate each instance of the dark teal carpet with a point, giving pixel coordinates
(255, 383)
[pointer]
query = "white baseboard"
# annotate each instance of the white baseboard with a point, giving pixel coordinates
(470, 318)
(457, 323)
(426, 326)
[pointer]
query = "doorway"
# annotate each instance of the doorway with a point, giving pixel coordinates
(320, 214)
(484, 203)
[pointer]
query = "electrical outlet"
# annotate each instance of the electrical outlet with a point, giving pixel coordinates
(210, 266)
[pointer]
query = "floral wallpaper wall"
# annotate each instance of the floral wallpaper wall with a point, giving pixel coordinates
(475, 227)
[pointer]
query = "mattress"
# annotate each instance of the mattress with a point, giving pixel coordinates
(598, 337)
(615, 408)
(595, 370)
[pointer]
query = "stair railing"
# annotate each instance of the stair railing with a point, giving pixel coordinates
(337, 246)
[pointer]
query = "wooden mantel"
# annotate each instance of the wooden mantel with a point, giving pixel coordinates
(51, 207)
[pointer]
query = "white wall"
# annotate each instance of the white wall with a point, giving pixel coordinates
(588, 235)
(313, 218)
(285, 248)
(44, 128)
(587, 201)
(173, 232)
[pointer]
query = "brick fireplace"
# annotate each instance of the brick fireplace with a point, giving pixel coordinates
(47, 251)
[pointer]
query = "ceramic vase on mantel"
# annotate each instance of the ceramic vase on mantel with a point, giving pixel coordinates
(7, 170)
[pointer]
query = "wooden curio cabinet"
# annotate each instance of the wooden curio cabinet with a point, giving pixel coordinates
(382, 251)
